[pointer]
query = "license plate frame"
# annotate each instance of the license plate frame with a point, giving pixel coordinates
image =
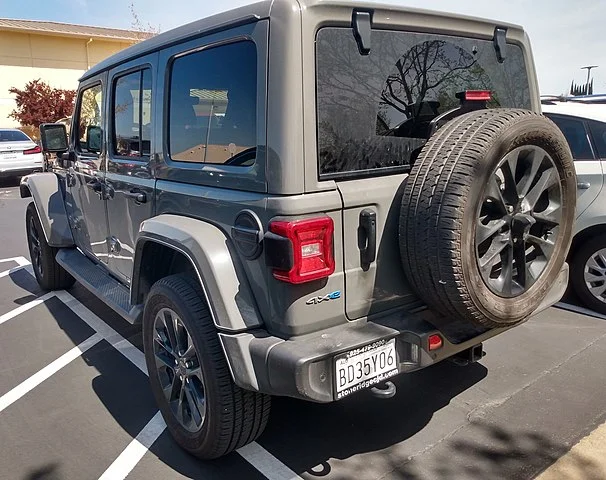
(369, 375)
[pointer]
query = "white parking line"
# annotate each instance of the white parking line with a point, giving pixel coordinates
(24, 308)
(266, 463)
(22, 262)
(108, 333)
(254, 453)
(52, 368)
(134, 452)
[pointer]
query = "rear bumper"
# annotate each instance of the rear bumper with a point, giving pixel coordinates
(19, 171)
(304, 367)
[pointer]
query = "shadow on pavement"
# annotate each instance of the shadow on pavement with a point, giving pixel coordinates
(305, 435)
(492, 451)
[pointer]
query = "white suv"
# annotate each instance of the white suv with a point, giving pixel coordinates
(584, 126)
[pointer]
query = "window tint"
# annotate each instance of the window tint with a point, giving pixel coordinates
(132, 114)
(375, 111)
(90, 120)
(13, 136)
(213, 97)
(598, 132)
(576, 135)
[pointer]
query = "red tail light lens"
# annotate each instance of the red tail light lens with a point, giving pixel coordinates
(435, 342)
(36, 149)
(478, 95)
(312, 247)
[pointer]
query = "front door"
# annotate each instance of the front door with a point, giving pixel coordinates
(129, 182)
(86, 173)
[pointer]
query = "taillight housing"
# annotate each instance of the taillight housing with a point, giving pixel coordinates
(311, 240)
(36, 149)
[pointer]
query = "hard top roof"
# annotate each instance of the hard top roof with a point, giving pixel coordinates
(251, 13)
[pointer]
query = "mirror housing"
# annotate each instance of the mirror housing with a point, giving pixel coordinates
(54, 138)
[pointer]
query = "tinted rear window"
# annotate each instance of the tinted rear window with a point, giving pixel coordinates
(374, 111)
(13, 136)
(576, 135)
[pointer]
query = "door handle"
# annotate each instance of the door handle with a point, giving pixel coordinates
(367, 237)
(137, 196)
(583, 185)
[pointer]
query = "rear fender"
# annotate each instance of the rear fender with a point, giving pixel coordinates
(48, 198)
(223, 282)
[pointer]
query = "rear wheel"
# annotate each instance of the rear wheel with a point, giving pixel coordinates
(50, 275)
(205, 411)
(487, 216)
(588, 274)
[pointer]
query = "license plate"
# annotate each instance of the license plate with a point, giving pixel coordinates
(9, 156)
(364, 367)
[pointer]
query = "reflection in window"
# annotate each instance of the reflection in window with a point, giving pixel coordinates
(213, 106)
(375, 111)
(90, 120)
(598, 131)
(132, 114)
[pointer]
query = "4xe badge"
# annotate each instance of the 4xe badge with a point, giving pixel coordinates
(324, 298)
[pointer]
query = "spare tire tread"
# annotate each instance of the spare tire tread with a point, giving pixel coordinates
(431, 218)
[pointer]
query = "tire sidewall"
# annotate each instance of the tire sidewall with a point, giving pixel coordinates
(45, 250)
(540, 132)
(161, 296)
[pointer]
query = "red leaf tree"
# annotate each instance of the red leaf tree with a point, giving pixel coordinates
(40, 103)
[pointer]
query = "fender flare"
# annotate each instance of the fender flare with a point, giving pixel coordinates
(48, 198)
(224, 283)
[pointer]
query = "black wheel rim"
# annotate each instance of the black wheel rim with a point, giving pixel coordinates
(518, 221)
(178, 370)
(35, 248)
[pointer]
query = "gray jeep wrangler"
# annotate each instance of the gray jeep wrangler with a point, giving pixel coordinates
(305, 198)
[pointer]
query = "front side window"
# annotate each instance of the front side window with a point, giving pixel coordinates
(213, 100)
(375, 111)
(598, 132)
(576, 136)
(90, 120)
(132, 115)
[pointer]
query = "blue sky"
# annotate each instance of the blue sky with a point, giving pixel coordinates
(565, 34)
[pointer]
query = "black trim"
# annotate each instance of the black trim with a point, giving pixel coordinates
(278, 252)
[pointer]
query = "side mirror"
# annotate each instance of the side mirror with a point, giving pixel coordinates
(93, 139)
(54, 138)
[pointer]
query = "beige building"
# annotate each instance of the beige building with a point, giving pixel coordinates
(57, 53)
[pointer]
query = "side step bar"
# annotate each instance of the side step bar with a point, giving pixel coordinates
(97, 279)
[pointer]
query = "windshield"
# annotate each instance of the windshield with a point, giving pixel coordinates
(375, 111)
(13, 136)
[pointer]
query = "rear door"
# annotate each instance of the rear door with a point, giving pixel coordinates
(588, 166)
(129, 181)
(374, 114)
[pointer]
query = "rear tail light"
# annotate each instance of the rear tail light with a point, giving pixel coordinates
(311, 241)
(36, 149)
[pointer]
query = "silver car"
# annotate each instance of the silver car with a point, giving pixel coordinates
(584, 126)
(19, 154)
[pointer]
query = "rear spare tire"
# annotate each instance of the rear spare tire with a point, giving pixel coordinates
(487, 215)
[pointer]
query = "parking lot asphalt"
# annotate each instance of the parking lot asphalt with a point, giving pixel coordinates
(75, 402)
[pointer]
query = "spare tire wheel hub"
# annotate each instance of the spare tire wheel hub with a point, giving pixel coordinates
(518, 220)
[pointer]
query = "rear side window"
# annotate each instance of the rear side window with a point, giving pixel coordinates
(576, 136)
(212, 111)
(374, 112)
(132, 115)
(598, 132)
(13, 136)
(90, 121)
